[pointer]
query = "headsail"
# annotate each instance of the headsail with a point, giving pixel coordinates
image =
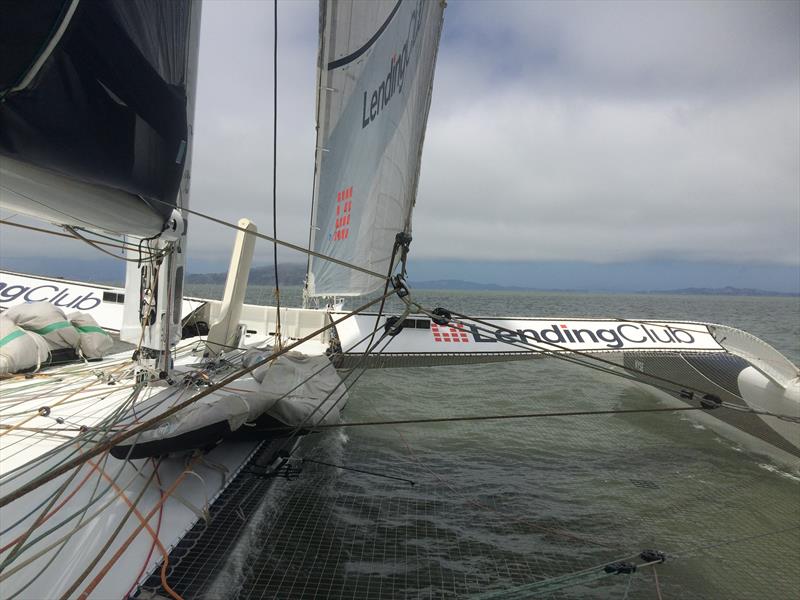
(376, 65)
(95, 112)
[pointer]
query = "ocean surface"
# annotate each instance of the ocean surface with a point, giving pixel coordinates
(518, 508)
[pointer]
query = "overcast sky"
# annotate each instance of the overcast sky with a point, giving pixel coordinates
(592, 131)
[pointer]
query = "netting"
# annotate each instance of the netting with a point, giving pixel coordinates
(498, 507)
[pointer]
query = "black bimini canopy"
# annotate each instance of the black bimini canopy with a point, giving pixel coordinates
(96, 90)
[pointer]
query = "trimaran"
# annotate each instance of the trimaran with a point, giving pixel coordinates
(106, 464)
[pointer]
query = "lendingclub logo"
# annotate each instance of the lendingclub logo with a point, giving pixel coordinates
(344, 204)
(614, 336)
(60, 296)
(445, 333)
(392, 83)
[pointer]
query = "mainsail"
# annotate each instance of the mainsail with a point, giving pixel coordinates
(375, 77)
(96, 110)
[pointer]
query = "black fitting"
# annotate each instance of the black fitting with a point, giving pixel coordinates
(687, 395)
(441, 316)
(400, 286)
(391, 327)
(620, 567)
(652, 556)
(403, 239)
(44, 411)
(710, 402)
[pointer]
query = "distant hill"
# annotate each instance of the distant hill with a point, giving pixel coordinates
(724, 291)
(458, 284)
(289, 274)
(294, 274)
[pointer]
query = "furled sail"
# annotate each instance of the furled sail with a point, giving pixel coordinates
(376, 65)
(96, 110)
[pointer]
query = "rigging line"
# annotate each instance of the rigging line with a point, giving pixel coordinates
(155, 539)
(92, 499)
(329, 365)
(81, 511)
(128, 245)
(574, 413)
(33, 416)
(107, 567)
(15, 551)
(81, 441)
(109, 541)
(658, 585)
(275, 174)
(385, 289)
(69, 535)
(109, 443)
(45, 515)
(298, 428)
(123, 246)
(82, 515)
(558, 532)
(614, 366)
(154, 534)
(564, 355)
(47, 206)
(10, 476)
(96, 247)
(283, 243)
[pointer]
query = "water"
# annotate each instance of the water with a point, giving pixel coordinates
(499, 505)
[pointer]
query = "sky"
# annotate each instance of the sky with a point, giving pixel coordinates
(567, 133)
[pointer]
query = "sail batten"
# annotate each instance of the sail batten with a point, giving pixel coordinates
(375, 77)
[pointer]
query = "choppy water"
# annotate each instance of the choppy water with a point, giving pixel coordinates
(502, 504)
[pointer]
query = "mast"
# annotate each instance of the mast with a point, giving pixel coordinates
(96, 117)
(152, 317)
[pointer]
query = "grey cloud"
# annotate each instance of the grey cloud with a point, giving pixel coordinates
(568, 131)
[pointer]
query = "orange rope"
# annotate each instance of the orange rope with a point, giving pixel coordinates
(146, 524)
(104, 571)
(153, 545)
(54, 511)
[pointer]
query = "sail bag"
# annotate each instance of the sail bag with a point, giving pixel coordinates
(46, 320)
(20, 350)
(94, 342)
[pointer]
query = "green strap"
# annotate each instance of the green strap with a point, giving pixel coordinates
(90, 329)
(53, 327)
(11, 336)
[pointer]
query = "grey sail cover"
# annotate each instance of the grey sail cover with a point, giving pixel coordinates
(376, 65)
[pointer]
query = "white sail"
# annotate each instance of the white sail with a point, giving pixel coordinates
(376, 67)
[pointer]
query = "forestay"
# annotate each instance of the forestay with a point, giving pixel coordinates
(375, 77)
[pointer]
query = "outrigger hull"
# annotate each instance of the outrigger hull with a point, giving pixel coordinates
(742, 380)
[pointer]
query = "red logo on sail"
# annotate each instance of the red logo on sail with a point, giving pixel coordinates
(343, 206)
(449, 333)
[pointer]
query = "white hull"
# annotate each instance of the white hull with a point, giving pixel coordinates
(97, 496)
(94, 506)
(42, 417)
